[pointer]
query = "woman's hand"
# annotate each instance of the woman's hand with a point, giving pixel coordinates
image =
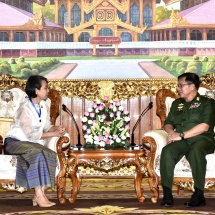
(60, 130)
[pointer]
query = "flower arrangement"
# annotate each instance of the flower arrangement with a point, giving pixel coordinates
(106, 125)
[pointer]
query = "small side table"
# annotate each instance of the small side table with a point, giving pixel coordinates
(104, 162)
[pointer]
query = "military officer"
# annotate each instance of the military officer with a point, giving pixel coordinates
(190, 128)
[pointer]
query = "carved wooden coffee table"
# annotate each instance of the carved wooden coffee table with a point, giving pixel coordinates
(125, 163)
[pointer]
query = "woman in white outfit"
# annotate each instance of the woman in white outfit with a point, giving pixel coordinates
(36, 164)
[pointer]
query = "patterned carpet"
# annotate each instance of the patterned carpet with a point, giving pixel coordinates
(102, 197)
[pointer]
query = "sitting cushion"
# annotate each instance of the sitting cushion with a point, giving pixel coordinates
(8, 169)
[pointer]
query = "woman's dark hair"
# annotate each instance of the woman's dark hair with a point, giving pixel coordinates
(34, 82)
(191, 78)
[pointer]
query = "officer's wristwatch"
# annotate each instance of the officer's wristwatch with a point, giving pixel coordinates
(182, 135)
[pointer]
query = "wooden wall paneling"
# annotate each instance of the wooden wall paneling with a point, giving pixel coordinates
(146, 120)
(156, 124)
(134, 104)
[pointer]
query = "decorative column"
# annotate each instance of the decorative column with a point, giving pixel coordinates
(82, 12)
(11, 36)
(204, 34)
(37, 36)
(178, 34)
(128, 13)
(153, 12)
(56, 11)
(187, 34)
(69, 13)
(27, 36)
(164, 35)
(141, 13)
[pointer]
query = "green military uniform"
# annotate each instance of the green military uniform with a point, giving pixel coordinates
(184, 116)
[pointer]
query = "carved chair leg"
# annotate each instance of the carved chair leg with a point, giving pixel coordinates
(180, 190)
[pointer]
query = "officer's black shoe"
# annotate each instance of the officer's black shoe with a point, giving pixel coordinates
(196, 201)
(167, 200)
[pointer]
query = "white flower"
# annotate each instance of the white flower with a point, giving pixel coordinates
(90, 109)
(114, 109)
(127, 119)
(90, 122)
(98, 101)
(123, 137)
(84, 119)
(102, 143)
(121, 108)
(118, 140)
(96, 138)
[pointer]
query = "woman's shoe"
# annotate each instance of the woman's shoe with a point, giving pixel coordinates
(41, 204)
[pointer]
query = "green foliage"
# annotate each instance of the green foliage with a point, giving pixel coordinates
(210, 67)
(168, 62)
(22, 65)
(181, 70)
(205, 59)
(197, 64)
(21, 59)
(5, 68)
(26, 71)
(174, 65)
(195, 57)
(12, 60)
(162, 14)
(48, 11)
(182, 64)
(164, 58)
(36, 66)
(192, 69)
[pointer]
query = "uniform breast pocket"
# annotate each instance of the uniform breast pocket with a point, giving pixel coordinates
(194, 115)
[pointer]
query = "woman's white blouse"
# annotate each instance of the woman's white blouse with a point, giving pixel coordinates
(28, 126)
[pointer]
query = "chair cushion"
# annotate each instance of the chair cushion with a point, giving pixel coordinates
(7, 167)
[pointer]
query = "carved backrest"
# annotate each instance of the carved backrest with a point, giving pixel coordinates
(162, 106)
(165, 97)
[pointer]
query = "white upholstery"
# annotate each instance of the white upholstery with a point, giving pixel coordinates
(182, 169)
(8, 108)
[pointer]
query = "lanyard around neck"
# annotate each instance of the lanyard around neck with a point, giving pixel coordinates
(38, 111)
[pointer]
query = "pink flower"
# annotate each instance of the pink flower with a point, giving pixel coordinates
(84, 127)
(111, 106)
(94, 105)
(103, 116)
(101, 107)
(118, 103)
(107, 134)
(111, 115)
(115, 136)
(101, 137)
(88, 131)
(108, 123)
(92, 115)
(118, 113)
(107, 141)
(86, 113)
(94, 122)
(125, 112)
(106, 98)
